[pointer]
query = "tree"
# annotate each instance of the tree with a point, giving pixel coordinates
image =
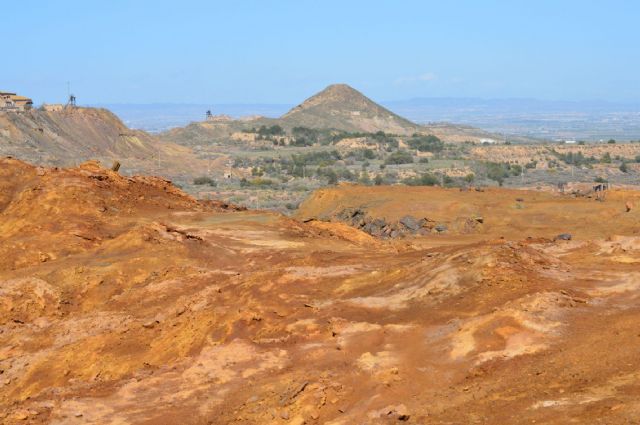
(332, 177)
(378, 180)
(369, 154)
(399, 157)
(623, 167)
(497, 171)
(204, 180)
(428, 143)
(611, 141)
(364, 178)
(606, 158)
(426, 179)
(447, 180)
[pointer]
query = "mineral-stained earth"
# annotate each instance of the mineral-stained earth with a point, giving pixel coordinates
(125, 301)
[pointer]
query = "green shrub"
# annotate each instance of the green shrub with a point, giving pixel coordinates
(426, 179)
(260, 182)
(577, 159)
(399, 157)
(201, 181)
(623, 167)
(364, 178)
(428, 143)
(497, 171)
(329, 174)
(274, 130)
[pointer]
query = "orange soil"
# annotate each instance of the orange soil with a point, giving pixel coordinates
(124, 301)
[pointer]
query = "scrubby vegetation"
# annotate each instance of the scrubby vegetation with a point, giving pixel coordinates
(426, 179)
(577, 159)
(426, 143)
(285, 164)
(200, 181)
(399, 157)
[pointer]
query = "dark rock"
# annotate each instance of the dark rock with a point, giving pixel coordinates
(376, 227)
(379, 222)
(377, 232)
(410, 223)
(440, 228)
(563, 237)
(479, 219)
(519, 200)
(427, 223)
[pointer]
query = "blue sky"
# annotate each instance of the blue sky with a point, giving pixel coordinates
(190, 51)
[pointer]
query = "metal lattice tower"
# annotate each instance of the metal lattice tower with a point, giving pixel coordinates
(71, 102)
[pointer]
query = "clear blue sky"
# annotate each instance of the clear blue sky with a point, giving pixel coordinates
(191, 51)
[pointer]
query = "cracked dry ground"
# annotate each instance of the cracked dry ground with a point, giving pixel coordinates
(124, 301)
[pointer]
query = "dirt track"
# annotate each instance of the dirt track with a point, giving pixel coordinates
(124, 301)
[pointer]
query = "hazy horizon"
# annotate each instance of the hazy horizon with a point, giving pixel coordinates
(586, 120)
(252, 52)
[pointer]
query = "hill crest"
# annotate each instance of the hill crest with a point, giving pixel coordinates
(342, 107)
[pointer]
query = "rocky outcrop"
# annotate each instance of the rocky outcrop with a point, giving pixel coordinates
(381, 228)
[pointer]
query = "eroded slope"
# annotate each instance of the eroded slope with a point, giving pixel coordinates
(71, 136)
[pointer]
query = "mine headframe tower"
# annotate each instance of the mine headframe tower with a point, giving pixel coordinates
(71, 102)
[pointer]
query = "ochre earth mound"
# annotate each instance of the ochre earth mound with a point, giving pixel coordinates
(124, 301)
(508, 213)
(74, 135)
